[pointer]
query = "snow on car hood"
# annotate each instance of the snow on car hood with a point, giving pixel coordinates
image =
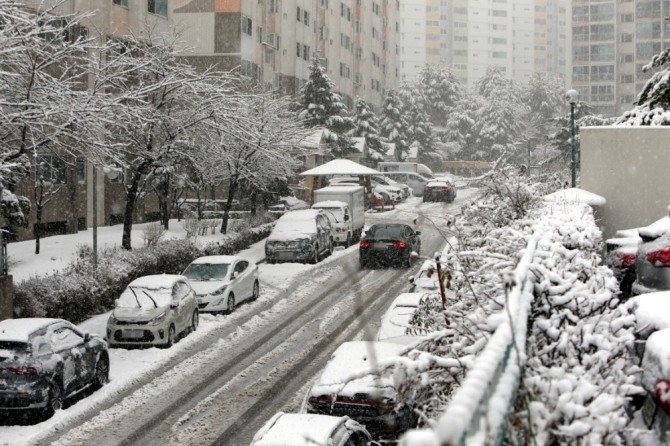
(204, 287)
(351, 359)
(137, 314)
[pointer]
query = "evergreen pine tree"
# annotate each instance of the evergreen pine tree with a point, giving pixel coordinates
(394, 125)
(320, 106)
(366, 124)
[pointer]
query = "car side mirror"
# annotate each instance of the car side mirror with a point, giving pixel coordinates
(346, 218)
(87, 336)
(417, 232)
(174, 304)
(233, 275)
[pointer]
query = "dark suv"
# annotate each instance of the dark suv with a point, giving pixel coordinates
(300, 236)
(389, 243)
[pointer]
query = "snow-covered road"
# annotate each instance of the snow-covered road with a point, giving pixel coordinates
(219, 385)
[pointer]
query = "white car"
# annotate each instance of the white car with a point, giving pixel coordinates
(396, 320)
(221, 282)
(297, 429)
(153, 310)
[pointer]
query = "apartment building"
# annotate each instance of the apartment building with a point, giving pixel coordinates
(273, 41)
(611, 42)
(523, 36)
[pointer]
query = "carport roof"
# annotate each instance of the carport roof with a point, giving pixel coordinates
(340, 167)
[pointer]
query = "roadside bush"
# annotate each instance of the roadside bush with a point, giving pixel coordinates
(81, 290)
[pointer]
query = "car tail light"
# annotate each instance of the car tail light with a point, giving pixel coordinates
(26, 370)
(427, 188)
(627, 260)
(321, 400)
(663, 394)
(660, 257)
(399, 245)
(364, 244)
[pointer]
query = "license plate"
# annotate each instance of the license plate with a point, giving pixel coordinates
(380, 245)
(649, 410)
(133, 333)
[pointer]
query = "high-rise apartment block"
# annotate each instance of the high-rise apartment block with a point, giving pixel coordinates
(522, 36)
(611, 42)
(273, 41)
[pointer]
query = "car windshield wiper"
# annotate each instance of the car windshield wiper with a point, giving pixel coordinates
(139, 305)
(152, 299)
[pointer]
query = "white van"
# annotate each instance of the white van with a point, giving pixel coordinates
(415, 181)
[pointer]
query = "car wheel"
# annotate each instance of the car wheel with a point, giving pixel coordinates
(195, 321)
(408, 262)
(230, 306)
(101, 372)
(255, 293)
(54, 399)
(170, 338)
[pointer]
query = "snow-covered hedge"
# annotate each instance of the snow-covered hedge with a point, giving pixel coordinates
(82, 290)
(578, 377)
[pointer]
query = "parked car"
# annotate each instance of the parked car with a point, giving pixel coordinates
(391, 194)
(439, 191)
(297, 429)
(396, 321)
(302, 236)
(153, 310)
(371, 400)
(652, 313)
(425, 280)
(652, 260)
(413, 180)
(287, 204)
(389, 243)
(656, 383)
(221, 282)
(44, 361)
(384, 180)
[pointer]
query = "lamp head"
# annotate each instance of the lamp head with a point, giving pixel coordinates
(572, 96)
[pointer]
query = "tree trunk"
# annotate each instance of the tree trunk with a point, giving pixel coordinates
(252, 202)
(37, 232)
(232, 188)
(131, 199)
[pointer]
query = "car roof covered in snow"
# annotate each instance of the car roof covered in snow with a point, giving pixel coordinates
(294, 429)
(341, 188)
(353, 359)
(294, 225)
(656, 360)
(216, 259)
(652, 312)
(19, 330)
(157, 281)
(438, 183)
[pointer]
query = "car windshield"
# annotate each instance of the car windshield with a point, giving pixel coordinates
(336, 212)
(385, 232)
(138, 297)
(206, 271)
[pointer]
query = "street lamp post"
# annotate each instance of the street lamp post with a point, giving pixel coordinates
(572, 96)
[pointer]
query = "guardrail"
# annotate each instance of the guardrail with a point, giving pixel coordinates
(478, 409)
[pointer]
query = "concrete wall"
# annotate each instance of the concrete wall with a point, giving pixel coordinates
(629, 167)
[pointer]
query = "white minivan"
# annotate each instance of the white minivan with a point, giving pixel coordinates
(415, 181)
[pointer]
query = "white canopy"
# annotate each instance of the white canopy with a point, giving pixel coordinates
(340, 167)
(575, 195)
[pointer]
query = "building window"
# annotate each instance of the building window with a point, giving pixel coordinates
(626, 38)
(158, 7)
(123, 3)
(274, 6)
(50, 169)
(247, 25)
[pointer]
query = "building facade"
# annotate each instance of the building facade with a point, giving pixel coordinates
(522, 36)
(611, 42)
(274, 41)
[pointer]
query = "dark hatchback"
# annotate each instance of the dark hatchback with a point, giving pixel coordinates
(389, 243)
(44, 361)
(441, 190)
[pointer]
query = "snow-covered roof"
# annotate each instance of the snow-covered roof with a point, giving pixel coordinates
(652, 311)
(575, 195)
(656, 361)
(156, 281)
(19, 330)
(340, 167)
(297, 429)
(435, 183)
(354, 358)
(313, 140)
(344, 188)
(359, 143)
